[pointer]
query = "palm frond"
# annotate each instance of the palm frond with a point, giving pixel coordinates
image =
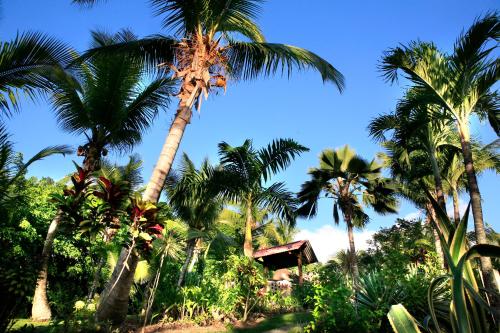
(278, 155)
(248, 60)
(25, 64)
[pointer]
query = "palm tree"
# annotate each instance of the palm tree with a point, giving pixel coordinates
(246, 172)
(485, 158)
(417, 128)
(351, 182)
(414, 179)
(203, 54)
(25, 65)
(462, 84)
(275, 232)
(193, 198)
(12, 171)
(106, 101)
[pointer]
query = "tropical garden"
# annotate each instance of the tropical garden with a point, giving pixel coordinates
(112, 247)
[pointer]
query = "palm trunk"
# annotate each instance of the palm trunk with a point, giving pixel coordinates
(152, 193)
(437, 180)
(456, 206)
(114, 299)
(40, 310)
(189, 255)
(248, 244)
(431, 214)
(95, 281)
(352, 252)
(477, 213)
(151, 291)
(196, 254)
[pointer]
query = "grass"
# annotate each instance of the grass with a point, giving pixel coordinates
(38, 325)
(294, 322)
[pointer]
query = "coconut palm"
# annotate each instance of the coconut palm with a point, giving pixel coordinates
(12, 171)
(203, 54)
(107, 101)
(275, 232)
(462, 84)
(25, 66)
(246, 171)
(351, 182)
(193, 198)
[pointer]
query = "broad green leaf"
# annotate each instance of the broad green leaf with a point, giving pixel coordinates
(401, 321)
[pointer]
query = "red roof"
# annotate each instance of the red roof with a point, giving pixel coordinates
(285, 256)
(278, 249)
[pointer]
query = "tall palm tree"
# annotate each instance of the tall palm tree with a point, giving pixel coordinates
(203, 54)
(107, 101)
(414, 178)
(12, 171)
(351, 182)
(246, 171)
(25, 66)
(461, 83)
(417, 128)
(193, 198)
(485, 158)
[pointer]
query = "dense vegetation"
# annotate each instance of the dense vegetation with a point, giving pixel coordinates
(102, 250)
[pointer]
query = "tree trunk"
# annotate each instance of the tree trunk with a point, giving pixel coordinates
(167, 155)
(154, 187)
(196, 254)
(437, 180)
(95, 281)
(456, 206)
(248, 244)
(352, 252)
(189, 255)
(431, 214)
(152, 290)
(477, 213)
(40, 310)
(114, 299)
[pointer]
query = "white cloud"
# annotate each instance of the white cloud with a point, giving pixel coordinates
(327, 240)
(413, 215)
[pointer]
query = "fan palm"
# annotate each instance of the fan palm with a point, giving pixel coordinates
(191, 197)
(107, 101)
(25, 65)
(461, 83)
(246, 171)
(351, 182)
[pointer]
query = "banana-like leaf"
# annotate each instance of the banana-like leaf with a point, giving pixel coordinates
(401, 321)
(430, 299)
(480, 250)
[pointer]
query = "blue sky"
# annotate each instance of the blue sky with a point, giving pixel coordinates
(350, 34)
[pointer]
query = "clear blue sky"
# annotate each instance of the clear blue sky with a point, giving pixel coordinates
(350, 34)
